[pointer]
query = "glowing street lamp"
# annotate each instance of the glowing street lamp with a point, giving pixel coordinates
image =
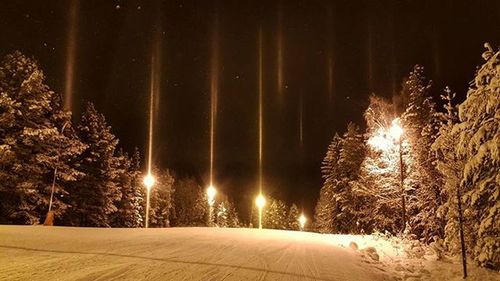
(386, 139)
(260, 201)
(211, 192)
(395, 130)
(302, 221)
(149, 181)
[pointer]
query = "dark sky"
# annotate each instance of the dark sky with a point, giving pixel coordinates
(373, 45)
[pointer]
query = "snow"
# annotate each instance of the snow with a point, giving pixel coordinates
(64, 253)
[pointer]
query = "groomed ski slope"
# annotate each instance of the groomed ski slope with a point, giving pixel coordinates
(64, 253)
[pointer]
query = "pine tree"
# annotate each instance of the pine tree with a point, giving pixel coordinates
(37, 144)
(378, 180)
(451, 166)
(293, 218)
(479, 143)
(221, 214)
(130, 208)
(226, 215)
(424, 189)
(275, 215)
(323, 216)
(93, 198)
(161, 199)
(348, 212)
(189, 205)
(233, 219)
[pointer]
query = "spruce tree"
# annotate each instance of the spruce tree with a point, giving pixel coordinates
(379, 173)
(420, 129)
(93, 198)
(479, 143)
(225, 214)
(233, 219)
(276, 215)
(129, 207)
(221, 214)
(189, 204)
(323, 216)
(451, 166)
(161, 199)
(348, 213)
(37, 144)
(293, 218)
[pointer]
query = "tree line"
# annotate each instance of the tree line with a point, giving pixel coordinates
(443, 170)
(94, 181)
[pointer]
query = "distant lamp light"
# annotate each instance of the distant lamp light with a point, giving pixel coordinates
(149, 181)
(302, 221)
(211, 192)
(260, 201)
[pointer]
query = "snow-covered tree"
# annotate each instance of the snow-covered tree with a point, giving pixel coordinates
(424, 186)
(339, 208)
(221, 214)
(129, 207)
(92, 198)
(226, 214)
(293, 218)
(323, 215)
(161, 199)
(348, 203)
(276, 215)
(233, 219)
(37, 143)
(190, 204)
(478, 133)
(451, 166)
(379, 172)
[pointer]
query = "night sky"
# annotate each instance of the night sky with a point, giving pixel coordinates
(372, 46)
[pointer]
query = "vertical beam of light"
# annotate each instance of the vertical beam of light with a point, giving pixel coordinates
(393, 62)
(154, 88)
(370, 58)
(435, 52)
(279, 47)
(214, 89)
(330, 75)
(301, 121)
(393, 70)
(260, 112)
(70, 54)
(329, 52)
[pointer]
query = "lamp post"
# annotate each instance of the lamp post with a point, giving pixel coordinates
(396, 132)
(211, 192)
(302, 221)
(149, 181)
(49, 218)
(260, 201)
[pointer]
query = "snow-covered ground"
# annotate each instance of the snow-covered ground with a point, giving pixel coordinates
(59, 253)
